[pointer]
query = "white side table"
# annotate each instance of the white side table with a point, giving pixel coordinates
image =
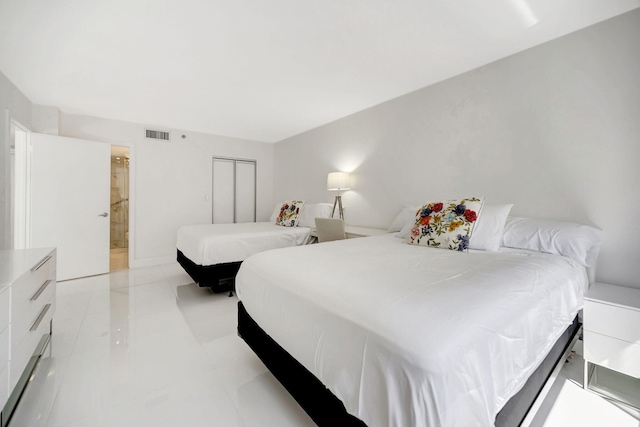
(612, 341)
(353, 232)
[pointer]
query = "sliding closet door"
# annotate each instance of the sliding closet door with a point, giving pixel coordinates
(223, 191)
(245, 191)
(234, 191)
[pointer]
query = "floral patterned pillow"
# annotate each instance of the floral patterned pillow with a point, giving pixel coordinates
(289, 212)
(447, 224)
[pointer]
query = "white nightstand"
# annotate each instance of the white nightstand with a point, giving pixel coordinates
(611, 340)
(353, 232)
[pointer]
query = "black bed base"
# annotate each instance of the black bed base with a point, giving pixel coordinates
(217, 277)
(322, 406)
(517, 408)
(327, 410)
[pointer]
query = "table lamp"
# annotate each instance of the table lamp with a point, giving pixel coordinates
(338, 181)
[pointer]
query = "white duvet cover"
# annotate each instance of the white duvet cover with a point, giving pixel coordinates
(414, 336)
(209, 244)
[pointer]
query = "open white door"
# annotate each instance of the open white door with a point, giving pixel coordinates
(70, 202)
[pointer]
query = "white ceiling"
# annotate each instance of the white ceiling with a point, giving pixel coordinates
(262, 69)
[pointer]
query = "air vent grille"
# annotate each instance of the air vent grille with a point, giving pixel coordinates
(157, 134)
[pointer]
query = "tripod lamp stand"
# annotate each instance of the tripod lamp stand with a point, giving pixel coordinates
(338, 181)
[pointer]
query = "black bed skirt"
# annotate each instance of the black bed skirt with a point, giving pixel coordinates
(327, 410)
(517, 408)
(217, 277)
(322, 406)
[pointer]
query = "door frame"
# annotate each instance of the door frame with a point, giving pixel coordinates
(132, 199)
(21, 191)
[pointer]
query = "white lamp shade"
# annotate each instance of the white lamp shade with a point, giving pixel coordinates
(338, 181)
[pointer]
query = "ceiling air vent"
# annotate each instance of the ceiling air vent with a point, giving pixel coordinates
(156, 134)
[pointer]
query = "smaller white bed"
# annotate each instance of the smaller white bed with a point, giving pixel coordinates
(209, 244)
(211, 253)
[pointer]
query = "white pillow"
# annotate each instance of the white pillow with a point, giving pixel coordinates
(312, 211)
(577, 241)
(406, 215)
(276, 212)
(487, 235)
(405, 231)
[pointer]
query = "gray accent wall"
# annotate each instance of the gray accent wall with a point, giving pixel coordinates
(555, 130)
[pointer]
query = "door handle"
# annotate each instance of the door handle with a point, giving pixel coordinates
(104, 214)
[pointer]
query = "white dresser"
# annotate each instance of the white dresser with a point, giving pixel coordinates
(27, 304)
(611, 323)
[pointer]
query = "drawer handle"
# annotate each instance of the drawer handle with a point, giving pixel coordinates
(40, 317)
(41, 263)
(40, 290)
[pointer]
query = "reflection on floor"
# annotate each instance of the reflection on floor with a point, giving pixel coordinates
(568, 404)
(118, 259)
(147, 347)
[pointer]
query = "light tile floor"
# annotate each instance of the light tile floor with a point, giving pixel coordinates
(147, 347)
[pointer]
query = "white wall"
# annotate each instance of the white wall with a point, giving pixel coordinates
(172, 179)
(554, 130)
(19, 108)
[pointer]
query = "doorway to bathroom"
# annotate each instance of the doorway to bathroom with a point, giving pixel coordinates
(119, 233)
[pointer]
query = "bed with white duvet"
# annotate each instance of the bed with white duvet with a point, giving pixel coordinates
(209, 244)
(414, 336)
(213, 252)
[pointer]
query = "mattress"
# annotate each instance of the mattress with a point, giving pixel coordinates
(406, 335)
(209, 244)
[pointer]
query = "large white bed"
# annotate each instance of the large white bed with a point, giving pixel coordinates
(405, 335)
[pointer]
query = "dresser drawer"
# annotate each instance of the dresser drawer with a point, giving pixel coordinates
(5, 308)
(4, 385)
(26, 312)
(612, 353)
(5, 337)
(22, 352)
(28, 284)
(613, 321)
